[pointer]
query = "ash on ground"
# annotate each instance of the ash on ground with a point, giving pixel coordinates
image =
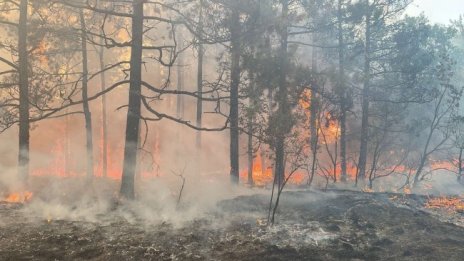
(338, 225)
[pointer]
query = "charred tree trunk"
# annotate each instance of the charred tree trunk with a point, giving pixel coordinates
(85, 101)
(251, 119)
(23, 156)
(374, 165)
(313, 121)
(234, 85)
(200, 78)
(460, 165)
(67, 145)
(437, 117)
(335, 161)
(180, 85)
(104, 123)
(134, 108)
(262, 155)
(343, 92)
(250, 151)
(365, 99)
(180, 98)
(283, 111)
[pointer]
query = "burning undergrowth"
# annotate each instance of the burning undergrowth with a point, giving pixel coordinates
(336, 225)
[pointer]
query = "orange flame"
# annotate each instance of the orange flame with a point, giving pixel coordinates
(263, 176)
(452, 204)
(19, 197)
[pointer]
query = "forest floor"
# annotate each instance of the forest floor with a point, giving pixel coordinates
(336, 225)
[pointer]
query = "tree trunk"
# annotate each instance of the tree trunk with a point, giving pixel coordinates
(104, 116)
(250, 150)
(460, 165)
(374, 164)
(262, 155)
(67, 145)
(180, 98)
(133, 113)
(283, 111)
(365, 99)
(251, 119)
(343, 92)
(200, 78)
(313, 120)
(235, 81)
(180, 84)
(85, 102)
(433, 127)
(335, 161)
(23, 156)
(419, 170)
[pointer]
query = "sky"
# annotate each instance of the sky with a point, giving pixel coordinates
(438, 11)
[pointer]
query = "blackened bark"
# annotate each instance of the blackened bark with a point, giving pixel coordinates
(180, 85)
(23, 156)
(250, 151)
(313, 121)
(104, 116)
(424, 157)
(200, 78)
(365, 99)
(460, 164)
(234, 85)
(85, 102)
(263, 161)
(67, 145)
(133, 113)
(283, 111)
(343, 92)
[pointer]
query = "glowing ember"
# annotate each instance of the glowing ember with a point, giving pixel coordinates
(20, 197)
(452, 204)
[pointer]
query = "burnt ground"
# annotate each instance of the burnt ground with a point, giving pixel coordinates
(339, 225)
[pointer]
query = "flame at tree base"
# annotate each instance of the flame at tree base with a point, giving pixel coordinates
(263, 176)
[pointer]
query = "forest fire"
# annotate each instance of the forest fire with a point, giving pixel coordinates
(230, 130)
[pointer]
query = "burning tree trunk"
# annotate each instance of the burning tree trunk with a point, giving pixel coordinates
(101, 56)
(85, 101)
(365, 98)
(200, 78)
(342, 90)
(134, 108)
(234, 85)
(23, 157)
